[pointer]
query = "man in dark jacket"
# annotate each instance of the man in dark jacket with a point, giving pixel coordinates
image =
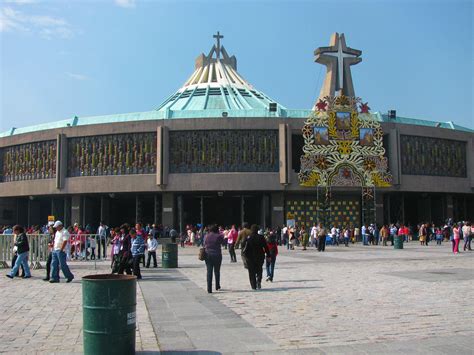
(22, 246)
(125, 251)
(254, 249)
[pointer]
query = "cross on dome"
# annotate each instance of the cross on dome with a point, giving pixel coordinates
(218, 37)
(337, 58)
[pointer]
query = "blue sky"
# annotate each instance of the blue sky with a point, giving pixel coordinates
(86, 58)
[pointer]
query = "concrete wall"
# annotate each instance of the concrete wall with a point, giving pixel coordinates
(271, 182)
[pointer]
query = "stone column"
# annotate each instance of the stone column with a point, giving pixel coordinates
(277, 209)
(168, 210)
(76, 211)
(67, 211)
(162, 155)
(138, 209)
(242, 210)
(379, 206)
(449, 206)
(394, 156)
(264, 207)
(105, 209)
(61, 160)
(157, 210)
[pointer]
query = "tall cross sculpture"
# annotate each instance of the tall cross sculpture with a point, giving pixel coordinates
(337, 58)
(218, 37)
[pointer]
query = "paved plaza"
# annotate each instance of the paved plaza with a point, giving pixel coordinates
(354, 300)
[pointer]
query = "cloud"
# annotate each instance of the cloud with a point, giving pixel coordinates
(126, 3)
(48, 27)
(79, 77)
(21, 2)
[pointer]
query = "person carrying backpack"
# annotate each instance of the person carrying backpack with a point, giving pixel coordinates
(271, 259)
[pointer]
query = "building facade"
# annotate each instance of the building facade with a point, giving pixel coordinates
(221, 151)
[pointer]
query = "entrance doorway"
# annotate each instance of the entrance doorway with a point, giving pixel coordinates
(223, 210)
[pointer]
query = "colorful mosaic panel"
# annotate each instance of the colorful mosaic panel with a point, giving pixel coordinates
(432, 156)
(118, 154)
(345, 213)
(303, 212)
(223, 151)
(308, 212)
(29, 161)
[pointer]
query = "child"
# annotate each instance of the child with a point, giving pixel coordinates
(92, 244)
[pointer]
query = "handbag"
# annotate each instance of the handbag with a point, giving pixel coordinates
(202, 254)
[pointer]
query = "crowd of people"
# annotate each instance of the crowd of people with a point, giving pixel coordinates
(128, 245)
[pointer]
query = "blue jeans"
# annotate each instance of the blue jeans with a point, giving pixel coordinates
(365, 239)
(271, 267)
(22, 259)
(59, 257)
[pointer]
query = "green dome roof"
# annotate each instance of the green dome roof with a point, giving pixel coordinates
(216, 85)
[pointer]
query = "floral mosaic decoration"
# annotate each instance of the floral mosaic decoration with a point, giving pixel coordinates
(343, 146)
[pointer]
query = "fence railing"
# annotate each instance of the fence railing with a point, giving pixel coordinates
(78, 247)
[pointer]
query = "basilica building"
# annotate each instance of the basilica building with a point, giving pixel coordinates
(218, 150)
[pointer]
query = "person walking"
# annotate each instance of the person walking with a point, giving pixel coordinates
(456, 237)
(321, 238)
(21, 243)
(243, 234)
(138, 252)
(115, 256)
(231, 239)
(384, 233)
(59, 256)
(365, 235)
(254, 249)
(304, 237)
(152, 245)
(125, 255)
(466, 232)
(347, 236)
(422, 234)
(51, 233)
(101, 238)
(93, 244)
(15, 257)
(212, 245)
(272, 245)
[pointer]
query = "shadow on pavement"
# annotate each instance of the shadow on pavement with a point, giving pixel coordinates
(177, 352)
(276, 289)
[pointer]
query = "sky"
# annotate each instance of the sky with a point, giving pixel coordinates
(60, 59)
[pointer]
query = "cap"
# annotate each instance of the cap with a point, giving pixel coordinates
(261, 232)
(50, 223)
(57, 224)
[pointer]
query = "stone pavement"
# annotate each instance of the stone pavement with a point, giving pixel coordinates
(348, 300)
(354, 300)
(36, 316)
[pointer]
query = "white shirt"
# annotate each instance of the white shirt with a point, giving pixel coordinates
(152, 244)
(60, 237)
(102, 231)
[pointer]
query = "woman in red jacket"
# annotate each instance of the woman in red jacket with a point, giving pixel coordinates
(273, 252)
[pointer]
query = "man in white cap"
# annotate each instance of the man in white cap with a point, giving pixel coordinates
(59, 255)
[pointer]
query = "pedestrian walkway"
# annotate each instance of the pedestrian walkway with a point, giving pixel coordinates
(356, 300)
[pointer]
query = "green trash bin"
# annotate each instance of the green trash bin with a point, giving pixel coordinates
(398, 242)
(109, 313)
(169, 256)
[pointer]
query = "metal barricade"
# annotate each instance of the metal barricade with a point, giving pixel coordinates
(39, 248)
(6, 249)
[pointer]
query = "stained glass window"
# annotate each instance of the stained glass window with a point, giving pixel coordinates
(117, 154)
(432, 156)
(209, 151)
(29, 161)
